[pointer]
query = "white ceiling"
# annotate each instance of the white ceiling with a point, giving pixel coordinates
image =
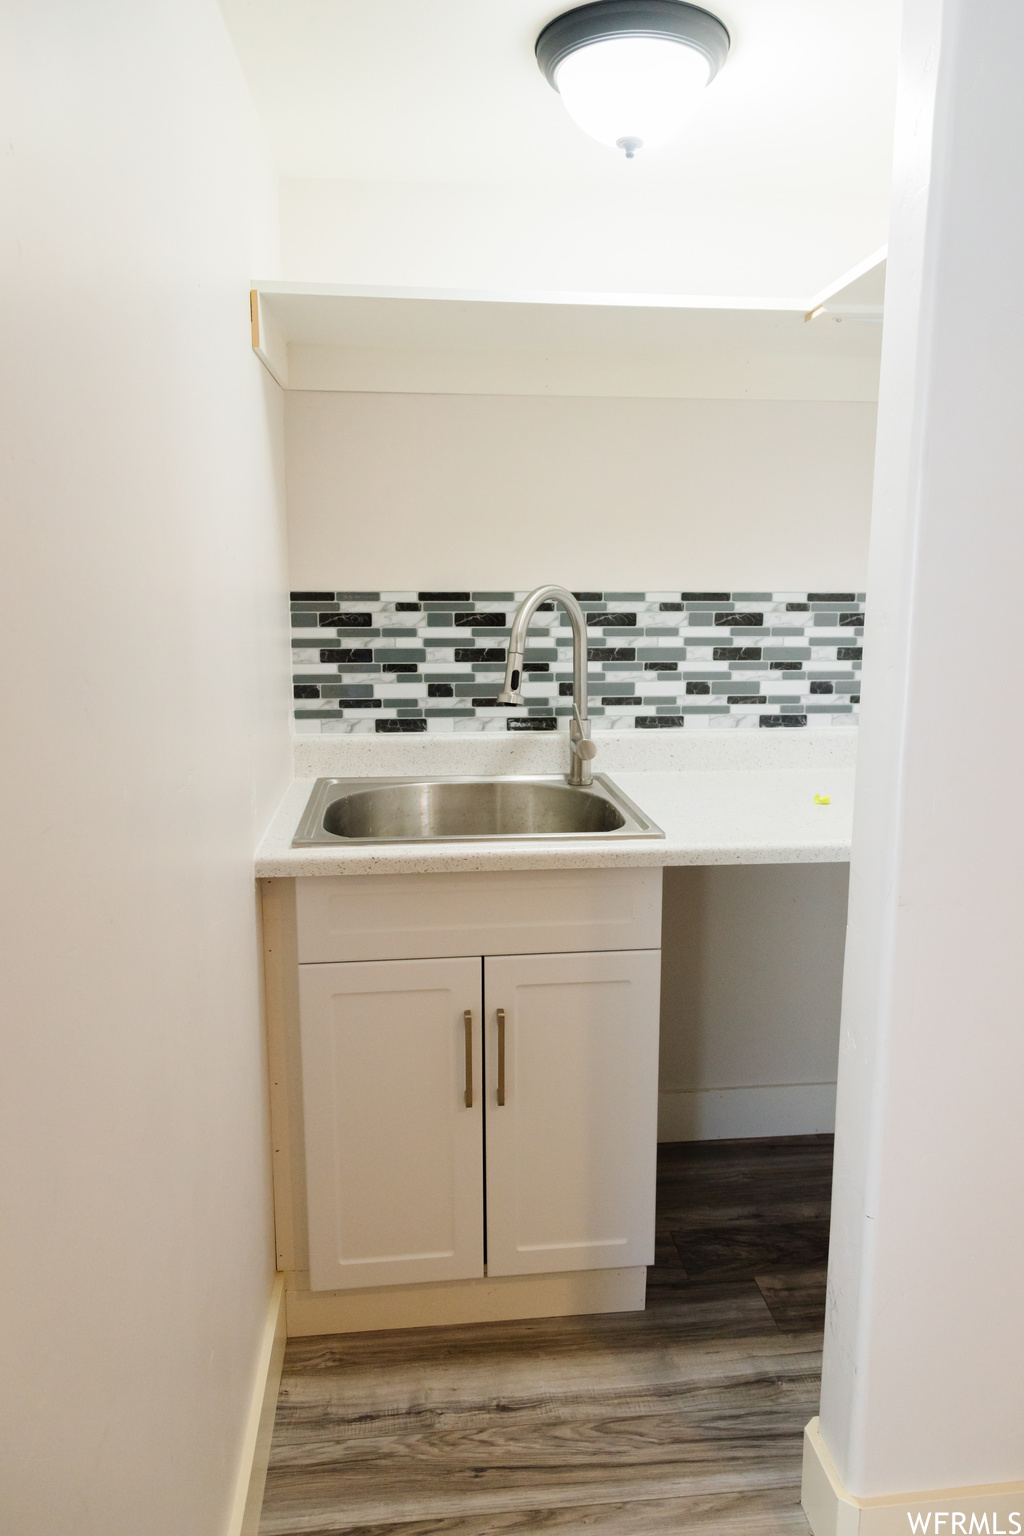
(449, 91)
(421, 147)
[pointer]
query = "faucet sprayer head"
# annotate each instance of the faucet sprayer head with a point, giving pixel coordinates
(511, 694)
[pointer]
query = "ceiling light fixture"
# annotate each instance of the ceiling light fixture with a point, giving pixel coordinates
(630, 72)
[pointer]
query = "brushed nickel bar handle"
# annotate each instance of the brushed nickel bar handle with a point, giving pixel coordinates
(467, 1020)
(501, 1056)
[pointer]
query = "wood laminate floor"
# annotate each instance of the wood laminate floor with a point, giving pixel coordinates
(687, 1417)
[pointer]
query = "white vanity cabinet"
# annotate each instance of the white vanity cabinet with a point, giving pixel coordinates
(394, 1167)
(571, 1151)
(464, 1077)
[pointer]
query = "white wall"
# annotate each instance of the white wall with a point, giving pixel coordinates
(408, 491)
(923, 1384)
(144, 741)
(752, 974)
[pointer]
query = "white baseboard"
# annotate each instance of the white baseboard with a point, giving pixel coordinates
(719, 1114)
(438, 1303)
(259, 1429)
(996, 1510)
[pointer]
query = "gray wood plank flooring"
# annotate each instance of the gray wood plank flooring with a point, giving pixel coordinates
(687, 1416)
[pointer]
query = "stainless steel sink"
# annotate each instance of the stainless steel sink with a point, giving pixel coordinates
(413, 810)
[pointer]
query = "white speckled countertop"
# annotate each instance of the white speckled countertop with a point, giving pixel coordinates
(722, 797)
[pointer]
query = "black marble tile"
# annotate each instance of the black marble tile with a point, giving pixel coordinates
(820, 687)
(774, 722)
(736, 653)
(444, 597)
(798, 607)
(536, 666)
(613, 620)
(407, 607)
(479, 653)
(853, 620)
(831, 597)
(658, 722)
(398, 727)
(705, 597)
(611, 653)
(850, 653)
(479, 620)
(312, 597)
(440, 691)
(661, 666)
(345, 653)
(400, 666)
(346, 620)
(305, 691)
(588, 597)
(786, 666)
(620, 699)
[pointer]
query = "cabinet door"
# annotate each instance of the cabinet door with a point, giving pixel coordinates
(393, 1153)
(571, 1154)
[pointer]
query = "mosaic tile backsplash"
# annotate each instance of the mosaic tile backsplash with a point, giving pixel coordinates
(395, 662)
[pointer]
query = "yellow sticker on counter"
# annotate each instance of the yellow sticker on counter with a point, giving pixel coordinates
(823, 799)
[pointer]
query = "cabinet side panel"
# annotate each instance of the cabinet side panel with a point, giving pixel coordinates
(379, 917)
(393, 1151)
(280, 962)
(571, 1156)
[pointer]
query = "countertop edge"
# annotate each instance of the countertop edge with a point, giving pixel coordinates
(277, 860)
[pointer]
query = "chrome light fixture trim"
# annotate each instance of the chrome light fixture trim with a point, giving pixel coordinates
(672, 21)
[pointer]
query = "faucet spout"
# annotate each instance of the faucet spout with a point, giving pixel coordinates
(581, 748)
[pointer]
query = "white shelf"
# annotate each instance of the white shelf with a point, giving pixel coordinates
(332, 337)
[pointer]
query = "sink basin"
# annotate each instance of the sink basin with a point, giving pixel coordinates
(408, 810)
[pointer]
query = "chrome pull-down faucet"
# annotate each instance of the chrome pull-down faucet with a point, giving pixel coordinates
(582, 749)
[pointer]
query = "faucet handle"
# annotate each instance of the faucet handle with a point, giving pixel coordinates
(579, 736)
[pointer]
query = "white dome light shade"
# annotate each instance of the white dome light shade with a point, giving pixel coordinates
(632, 90)
(630, 72)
